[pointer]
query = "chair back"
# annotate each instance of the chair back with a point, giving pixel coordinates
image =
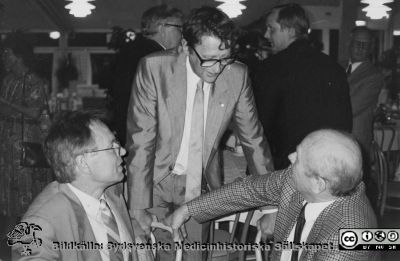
(385, 136)
(380, 168)
(218, 235)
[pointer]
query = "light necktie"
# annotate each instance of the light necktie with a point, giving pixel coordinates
(112, 230)
(301, 220)
(195, 158)
(348, 71)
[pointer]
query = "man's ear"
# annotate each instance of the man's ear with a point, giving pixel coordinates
(185, 47)
(319, 185)
(81, 164)
(292, 33)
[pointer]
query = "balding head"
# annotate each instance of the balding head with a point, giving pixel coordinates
(336, 157)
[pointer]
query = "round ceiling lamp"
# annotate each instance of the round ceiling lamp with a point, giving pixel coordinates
(232, 8)
(377, 9)
(80, 8)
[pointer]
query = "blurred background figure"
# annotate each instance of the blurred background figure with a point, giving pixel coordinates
(365, 83)
(22, 100)
(161, 30)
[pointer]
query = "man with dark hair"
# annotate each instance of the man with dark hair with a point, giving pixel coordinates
(299, 89)
(161, 30)
(365, 82)
(321, 192)
(85, 204)
(181, 105)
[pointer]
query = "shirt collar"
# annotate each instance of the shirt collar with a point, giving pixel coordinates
(89, 203)
(313, 210)
(192, 77)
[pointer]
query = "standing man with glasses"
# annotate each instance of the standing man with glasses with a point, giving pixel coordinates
(181, 105)
(161, 30)
(84, 206)
(365, 83)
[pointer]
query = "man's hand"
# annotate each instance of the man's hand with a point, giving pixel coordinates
(266, 224)
(144, 218)
(176, 221)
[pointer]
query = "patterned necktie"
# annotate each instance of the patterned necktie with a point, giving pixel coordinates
(195, 157)
(348, 71)
(112, 230)
(301, 220)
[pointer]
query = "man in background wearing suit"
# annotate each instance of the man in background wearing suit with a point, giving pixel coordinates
(365, 83)
(181, 105)
(161, 30)
(85, 204)
(319, 193)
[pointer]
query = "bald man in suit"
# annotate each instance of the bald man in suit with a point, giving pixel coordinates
(318, 194)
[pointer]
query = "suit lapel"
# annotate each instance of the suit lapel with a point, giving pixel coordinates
(83, 230)
(176, 101)
(359, 72)
(324, 222)
(217, 103)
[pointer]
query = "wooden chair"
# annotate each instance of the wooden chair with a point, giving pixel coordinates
(384, 137)
(380, 169)
(388, 191)
(218, 235)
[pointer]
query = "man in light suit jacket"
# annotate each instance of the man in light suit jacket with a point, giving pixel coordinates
(160, 118)
(365, 83)
(84, 206)
(323, 180)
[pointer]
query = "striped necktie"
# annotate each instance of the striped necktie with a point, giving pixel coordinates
(112, 230)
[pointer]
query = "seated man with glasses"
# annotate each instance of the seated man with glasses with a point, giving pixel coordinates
(82, 215)
(181, 104)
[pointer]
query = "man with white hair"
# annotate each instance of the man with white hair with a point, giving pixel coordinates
(319, 193)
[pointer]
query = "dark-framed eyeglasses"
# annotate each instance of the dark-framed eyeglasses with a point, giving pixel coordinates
(174, 25)
(116, 146)
(211, 62)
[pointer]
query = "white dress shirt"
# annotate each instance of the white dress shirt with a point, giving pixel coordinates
(311, 214)
(354, 66)
(92, 209)
(192, 80)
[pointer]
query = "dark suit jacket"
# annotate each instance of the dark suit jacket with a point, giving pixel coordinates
(156, 119)
(300, 90)
(61, 216)
(346, 212)
(365, 84)
(127, 61)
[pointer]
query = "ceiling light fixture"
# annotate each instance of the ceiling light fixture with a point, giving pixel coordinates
(54, 35)
(361, 23)
(233, 8)
(377, 9)
(80, 8)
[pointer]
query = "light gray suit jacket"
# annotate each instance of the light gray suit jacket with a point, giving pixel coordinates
(62, 218)
(156, 117)
(365, 83)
